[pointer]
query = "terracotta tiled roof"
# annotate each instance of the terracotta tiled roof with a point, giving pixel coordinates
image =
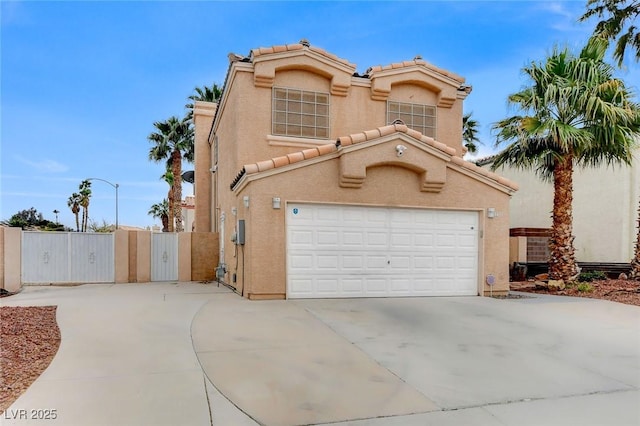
(297, 46)
(412, 63)
(356, 138)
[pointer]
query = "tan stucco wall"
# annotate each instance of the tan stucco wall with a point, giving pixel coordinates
(242, 127)
(10, 264)
(121, 242)
(139, 256)
(202, 118)
(604, 209)
(265, 249)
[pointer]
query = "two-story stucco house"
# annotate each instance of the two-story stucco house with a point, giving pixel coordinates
(322, 182)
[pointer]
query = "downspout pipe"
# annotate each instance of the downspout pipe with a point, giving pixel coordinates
(221, 270)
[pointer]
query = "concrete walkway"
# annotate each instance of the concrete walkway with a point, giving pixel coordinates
(126, 358)
(150, 354)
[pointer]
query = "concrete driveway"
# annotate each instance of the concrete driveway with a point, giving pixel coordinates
(195, 354)
(422, 361)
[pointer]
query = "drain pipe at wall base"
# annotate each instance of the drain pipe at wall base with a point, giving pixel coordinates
(221, 270)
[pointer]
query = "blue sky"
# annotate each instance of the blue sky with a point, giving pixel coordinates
(83, 82)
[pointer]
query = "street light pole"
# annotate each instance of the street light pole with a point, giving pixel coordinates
(116, 186)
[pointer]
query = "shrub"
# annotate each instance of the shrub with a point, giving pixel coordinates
(587, 277)
(585, 287)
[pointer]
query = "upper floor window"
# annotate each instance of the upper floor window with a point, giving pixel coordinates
(300, 113)
(416, 116)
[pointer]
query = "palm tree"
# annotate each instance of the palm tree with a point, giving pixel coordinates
(85, 196)
(168, 178)
(161, 211)
(616, 17)
(173, 141)
(207, 94)
(74, 204)
(575, 113)
(469, 133)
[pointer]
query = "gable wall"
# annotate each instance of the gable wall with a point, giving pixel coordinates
(265, 252)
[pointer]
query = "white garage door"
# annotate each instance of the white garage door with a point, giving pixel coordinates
(355, 251)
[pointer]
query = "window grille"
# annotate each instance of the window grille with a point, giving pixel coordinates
(416, 116)
(300, 113)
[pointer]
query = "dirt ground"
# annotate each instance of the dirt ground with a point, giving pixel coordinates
(621, 291)
(29, 339)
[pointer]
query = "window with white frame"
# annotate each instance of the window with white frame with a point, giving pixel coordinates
(300, 113)
(416, 116)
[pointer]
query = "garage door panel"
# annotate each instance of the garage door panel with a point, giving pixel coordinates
(327, 262)
(423, 241)
(401, 240)
(354, 251)
(377, 239)
(353, 285)
(302, 262)
(327, 285)
(352, 239)
(327, 238)
(376, 263)
(423, 262)
(376, 286)
(351, 262)
(326, 215)
(445, 240)
(302, 238)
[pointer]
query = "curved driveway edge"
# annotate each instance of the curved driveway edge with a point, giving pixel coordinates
(125, 356)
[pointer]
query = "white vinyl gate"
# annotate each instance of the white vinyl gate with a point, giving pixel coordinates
(67, 257)
(164, 257)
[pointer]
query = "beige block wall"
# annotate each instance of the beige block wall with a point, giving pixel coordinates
(517, 250)
(197, 257)
(10, 264)
(184, 256)
(604, 209)
(204, 256)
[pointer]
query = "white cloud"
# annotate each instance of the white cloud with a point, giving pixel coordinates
(44, 166)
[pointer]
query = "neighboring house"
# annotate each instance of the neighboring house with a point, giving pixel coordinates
(325, 183)
(188, 212)
(605, 203)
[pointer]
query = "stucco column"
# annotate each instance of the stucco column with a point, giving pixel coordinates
(203, 113)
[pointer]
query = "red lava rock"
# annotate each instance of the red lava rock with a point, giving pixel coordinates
(29, 339)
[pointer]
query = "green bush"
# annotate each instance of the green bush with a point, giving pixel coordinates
(585, 288)
(587, 277)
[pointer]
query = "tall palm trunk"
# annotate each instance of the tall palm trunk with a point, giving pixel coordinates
(170, 221)
(562, 264)
(635, 263)
(75, 211)
(177, 188)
